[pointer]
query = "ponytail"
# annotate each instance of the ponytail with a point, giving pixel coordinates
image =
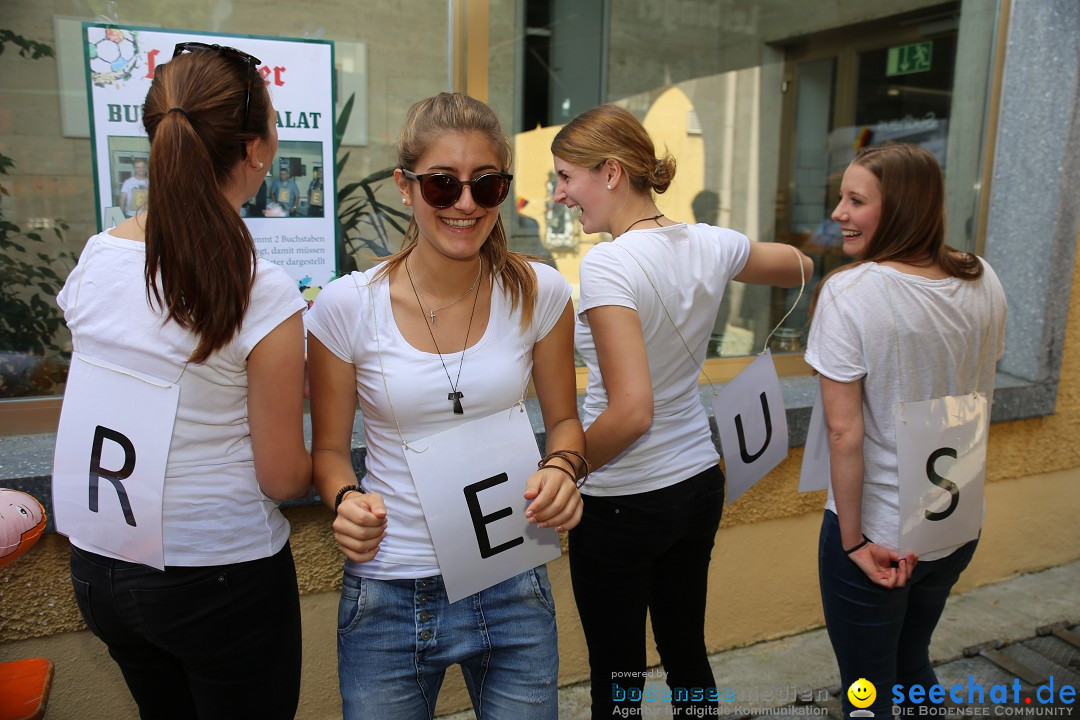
(200, 255)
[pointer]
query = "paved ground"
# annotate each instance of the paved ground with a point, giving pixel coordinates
(995, 634)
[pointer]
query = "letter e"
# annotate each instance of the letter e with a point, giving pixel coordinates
(480, 520)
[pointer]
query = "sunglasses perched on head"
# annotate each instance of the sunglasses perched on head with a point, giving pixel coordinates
(249, 61)
(441, 190)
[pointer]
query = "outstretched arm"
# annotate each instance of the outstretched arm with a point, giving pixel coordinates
(775, 264)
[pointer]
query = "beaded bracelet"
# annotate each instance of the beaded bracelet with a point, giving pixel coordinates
(341, 494)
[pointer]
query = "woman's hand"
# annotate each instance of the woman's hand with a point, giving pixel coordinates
(884, 567)
(360, 525)
(556, 501)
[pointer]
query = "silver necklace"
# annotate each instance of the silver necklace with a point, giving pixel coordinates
(454, 395)
(431, 311)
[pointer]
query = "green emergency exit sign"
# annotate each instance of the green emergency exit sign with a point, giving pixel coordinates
(908, 59)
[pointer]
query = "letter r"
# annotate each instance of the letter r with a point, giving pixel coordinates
(101, 434)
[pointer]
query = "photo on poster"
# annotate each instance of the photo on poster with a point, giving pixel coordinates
(293, 186)
(129, 158)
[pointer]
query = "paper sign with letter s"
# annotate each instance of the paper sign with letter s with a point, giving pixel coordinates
(752, 424)
(110, 459)
(471, 483)
(941, 454)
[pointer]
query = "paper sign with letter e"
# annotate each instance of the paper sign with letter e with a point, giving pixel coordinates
(941, 453)
(112, 447)
(471, 483)
(816, 469)
(752, 424)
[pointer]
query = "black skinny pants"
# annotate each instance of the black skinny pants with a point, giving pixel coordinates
(198, 642)
(647, 552)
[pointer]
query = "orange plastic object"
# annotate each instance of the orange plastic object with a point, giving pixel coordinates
(24, 688)
(22, 521)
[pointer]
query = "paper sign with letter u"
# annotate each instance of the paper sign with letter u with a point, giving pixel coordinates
(941, 453)
(471, 483)
(110, 459)
(752, 424)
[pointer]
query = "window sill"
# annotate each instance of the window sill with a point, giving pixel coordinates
(27, 460)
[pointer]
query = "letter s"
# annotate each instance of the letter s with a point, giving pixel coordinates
(943, 483)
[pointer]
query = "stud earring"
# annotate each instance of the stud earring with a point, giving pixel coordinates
(261, 164)
(404, 201)
(609, 187)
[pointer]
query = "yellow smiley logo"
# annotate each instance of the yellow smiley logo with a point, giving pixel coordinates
(862, 693)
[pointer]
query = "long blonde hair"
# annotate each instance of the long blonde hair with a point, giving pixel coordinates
(459, 113)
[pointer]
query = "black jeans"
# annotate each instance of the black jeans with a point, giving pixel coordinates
(647, 552)
(198, 642)
(878, 633)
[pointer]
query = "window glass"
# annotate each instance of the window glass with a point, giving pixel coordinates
(387, 56)
(761, 102)
(763, 105)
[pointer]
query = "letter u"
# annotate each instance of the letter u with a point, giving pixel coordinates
(747, 458)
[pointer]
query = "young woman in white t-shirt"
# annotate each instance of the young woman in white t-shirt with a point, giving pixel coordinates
(649, 301)
(446, 331)
(912, 320)
(177, 293)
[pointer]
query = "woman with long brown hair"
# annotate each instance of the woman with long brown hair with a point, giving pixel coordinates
(912, 320)
(176, 292)
(446, 331)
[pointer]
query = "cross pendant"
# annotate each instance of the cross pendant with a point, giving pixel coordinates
(431, 314)
(456, 397)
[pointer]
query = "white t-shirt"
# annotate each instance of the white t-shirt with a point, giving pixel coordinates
(949, 335)
(690, 265)
(214, 510)
(353, 318)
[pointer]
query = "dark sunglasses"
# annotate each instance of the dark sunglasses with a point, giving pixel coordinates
(441, 190)
(250, 61)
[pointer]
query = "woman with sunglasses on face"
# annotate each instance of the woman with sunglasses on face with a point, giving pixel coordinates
(652, 506)
(177, 292)
(912, 320)
(446, 331)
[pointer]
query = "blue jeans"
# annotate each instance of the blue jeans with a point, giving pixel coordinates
(198, 642)
(877, 633)
(396, 638)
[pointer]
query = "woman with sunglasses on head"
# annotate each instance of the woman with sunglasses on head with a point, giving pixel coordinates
(652, 506)
(912, 320)
(446, 331)
(177, 292)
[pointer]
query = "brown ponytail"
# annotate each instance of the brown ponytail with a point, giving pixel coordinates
(200, 256)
